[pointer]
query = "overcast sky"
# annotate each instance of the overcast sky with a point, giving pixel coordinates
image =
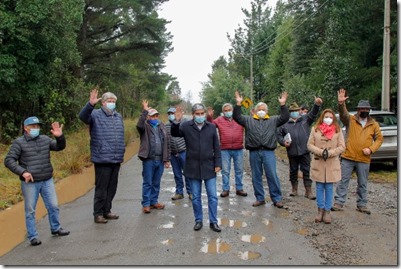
(199, 29)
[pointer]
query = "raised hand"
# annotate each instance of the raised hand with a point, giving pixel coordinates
(57, 129)
(341, 96)
(145, 105)
(93, 99)
(179, 113)
(210, 111)
(283, 98)
(318, 101)
(238, 98)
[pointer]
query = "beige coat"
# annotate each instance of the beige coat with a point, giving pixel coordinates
(329, 170)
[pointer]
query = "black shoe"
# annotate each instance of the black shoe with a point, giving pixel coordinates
(198, 226)
(35, 242)
(215, 227)
(61, 232)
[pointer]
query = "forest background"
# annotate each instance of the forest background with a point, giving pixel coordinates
(52, 53)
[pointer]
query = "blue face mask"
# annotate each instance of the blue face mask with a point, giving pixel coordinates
(200, 119)
(294, 114)
(171, 117)
(228, 114)
(111, 106)
(34, 132)
(154, 122)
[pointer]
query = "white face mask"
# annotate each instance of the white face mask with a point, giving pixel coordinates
(261, 114)
(328, 121)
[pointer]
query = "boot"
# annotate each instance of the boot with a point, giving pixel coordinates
(309, 194)
(294, 191)
(327, 217)
(319, 217)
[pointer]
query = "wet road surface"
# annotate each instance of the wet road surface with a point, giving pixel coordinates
(263, 235)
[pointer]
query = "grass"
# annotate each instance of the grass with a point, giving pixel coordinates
(71, 160)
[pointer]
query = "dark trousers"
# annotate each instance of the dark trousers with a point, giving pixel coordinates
(106, 180)
(302, 162)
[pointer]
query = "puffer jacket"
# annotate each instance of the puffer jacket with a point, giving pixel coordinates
(299, 131)
(145, 132)
(203, 149)
(176, 144)
(32, 155)
(261, 134)
(359, 137)
(106, 133)
(231, 133)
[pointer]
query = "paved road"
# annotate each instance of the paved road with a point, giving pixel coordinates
(250, 236)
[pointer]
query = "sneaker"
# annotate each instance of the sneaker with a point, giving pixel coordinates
(363, 209)
(224, 194)
(241, 193)
(157, 206)
(61, 232)
(337, 207)
(177, 196)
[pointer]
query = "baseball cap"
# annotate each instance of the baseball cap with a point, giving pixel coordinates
(152, 112)
(171, 110)
(32, 120)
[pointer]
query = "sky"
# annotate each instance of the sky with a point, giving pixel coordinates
(199, 29)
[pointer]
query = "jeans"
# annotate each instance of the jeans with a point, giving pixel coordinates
(106, 180)
(211, 190)
(362, 172)
(238, 159)
(31, 193)
(152, 171)
(303, 162)
(264, 159)
(324, 195)
(177, 163)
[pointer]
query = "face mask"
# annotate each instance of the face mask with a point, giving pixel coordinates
(228, 114)
(154, 123)
(261, 114)
(294, 114)
(200, 119)
(111, 106)
(364, 114)
(328, 121)
(34, 132)
(171, 117)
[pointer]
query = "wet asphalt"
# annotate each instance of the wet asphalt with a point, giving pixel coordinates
(264, 235)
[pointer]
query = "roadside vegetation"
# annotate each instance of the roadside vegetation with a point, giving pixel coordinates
(71, 160)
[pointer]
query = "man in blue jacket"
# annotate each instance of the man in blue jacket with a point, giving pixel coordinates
(29, 157)
(107, 145)
(203, 161)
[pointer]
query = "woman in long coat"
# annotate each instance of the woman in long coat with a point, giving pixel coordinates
(326, 143)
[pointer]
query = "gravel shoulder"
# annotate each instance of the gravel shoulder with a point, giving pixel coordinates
(353, 238)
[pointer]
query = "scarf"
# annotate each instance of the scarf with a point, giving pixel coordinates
(327, 130)
(257, 118)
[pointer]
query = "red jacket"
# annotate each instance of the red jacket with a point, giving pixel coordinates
(230, 132)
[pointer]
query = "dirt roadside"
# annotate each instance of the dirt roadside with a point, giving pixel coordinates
(353, 238)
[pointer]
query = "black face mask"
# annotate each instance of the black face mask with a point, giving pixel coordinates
(364, 114)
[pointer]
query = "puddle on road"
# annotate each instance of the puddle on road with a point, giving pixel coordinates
(169, 225)
(253, 238)
(232, 223)
(167, 242)
(169, 189)
(248, 255)
(248, 213)
(215, 247)
(268, 224)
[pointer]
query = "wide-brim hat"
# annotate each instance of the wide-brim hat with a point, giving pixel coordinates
(363, 104)
(294, 107)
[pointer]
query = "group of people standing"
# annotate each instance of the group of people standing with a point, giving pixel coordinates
(197, 152)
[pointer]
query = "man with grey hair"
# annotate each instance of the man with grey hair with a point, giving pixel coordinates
(107, 146)
(232, 144)
(260, 140)
(202, 162)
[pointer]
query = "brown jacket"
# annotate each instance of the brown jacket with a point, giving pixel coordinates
(359, 137)
(329, 170)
